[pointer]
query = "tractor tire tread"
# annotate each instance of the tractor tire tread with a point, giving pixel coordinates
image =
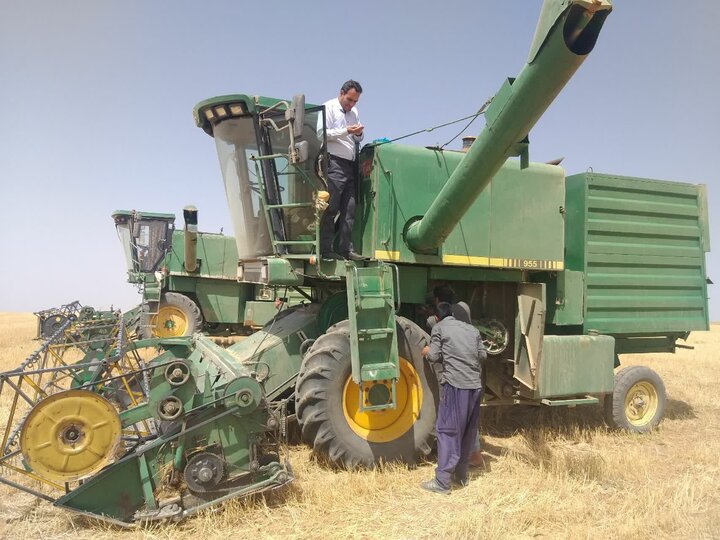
(319, 394)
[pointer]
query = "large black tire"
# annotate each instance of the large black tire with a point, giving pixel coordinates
(177, 316)
(326, 422)
(638, 400)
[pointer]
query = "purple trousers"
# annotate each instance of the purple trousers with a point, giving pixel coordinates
(456, 427)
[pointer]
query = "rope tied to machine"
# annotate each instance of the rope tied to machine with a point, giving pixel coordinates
(471, 117)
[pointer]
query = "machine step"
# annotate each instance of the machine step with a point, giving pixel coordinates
(369, 332)
(380, 371)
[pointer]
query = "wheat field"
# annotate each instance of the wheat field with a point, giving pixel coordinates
(549, 474)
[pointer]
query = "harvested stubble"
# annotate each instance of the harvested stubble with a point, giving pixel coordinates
(553, 474)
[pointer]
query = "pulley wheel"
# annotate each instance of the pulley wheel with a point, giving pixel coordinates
(177, 373)
(170, 408)
(70, 435)
(204, 471)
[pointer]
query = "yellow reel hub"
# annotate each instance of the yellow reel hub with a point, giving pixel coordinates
(170, 321)
(70, 435)
(385, 425)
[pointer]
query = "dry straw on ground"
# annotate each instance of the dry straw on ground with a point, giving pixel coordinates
(551, 474)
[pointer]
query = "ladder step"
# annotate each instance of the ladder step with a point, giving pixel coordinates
(375, 331)
(374, 303)
(380, 371)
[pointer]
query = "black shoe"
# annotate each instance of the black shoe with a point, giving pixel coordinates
(461, 481)
(331, 255)
(351, 255)
(432, 485)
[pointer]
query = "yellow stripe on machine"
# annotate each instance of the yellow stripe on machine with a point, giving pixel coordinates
(387, 255)
(492, 262)
(500, 262)
(466, 260)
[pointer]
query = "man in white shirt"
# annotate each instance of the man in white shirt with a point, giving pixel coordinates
(344, 133)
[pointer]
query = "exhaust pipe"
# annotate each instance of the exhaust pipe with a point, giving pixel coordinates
(191, 229)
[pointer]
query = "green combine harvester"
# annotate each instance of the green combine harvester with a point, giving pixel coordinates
(562, 274)
(573, 271)
(187, 278)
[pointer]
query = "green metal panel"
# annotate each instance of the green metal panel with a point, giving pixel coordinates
(259, 313)
(569, 298)
(576, 365)
(458, 273)
(402, 181)
(222, 301)
(121, 495)
(214, 285)
(282, 272)
(276, 348)
(217, 254)
(413, 284)
(646, 344)
(533, 197)
(641, 245)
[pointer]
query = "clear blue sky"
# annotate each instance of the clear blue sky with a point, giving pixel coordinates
(96, 101)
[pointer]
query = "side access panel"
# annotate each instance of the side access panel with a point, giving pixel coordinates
(530, 327)
(576, 366)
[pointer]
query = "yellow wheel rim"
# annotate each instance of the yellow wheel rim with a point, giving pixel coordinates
(389, 424)
(70, 435)
(641, 403)
(170, 322)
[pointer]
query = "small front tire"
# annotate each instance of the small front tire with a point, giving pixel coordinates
(638, 400)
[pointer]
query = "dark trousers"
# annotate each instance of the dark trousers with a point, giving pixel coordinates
(342, 185)
(457, 424)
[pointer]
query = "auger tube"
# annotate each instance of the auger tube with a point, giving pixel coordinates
(566, 33)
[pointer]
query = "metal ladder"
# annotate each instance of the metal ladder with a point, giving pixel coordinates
(371, 293)
(150, 306)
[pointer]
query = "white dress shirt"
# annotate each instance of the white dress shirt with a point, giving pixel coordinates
(339, 142)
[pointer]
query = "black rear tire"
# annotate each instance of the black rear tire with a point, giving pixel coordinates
(321, 411)
(638, 400)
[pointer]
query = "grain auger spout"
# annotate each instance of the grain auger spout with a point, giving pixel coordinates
(566, 33)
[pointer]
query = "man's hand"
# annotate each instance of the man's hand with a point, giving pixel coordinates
(355, 129)
(426, 350)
